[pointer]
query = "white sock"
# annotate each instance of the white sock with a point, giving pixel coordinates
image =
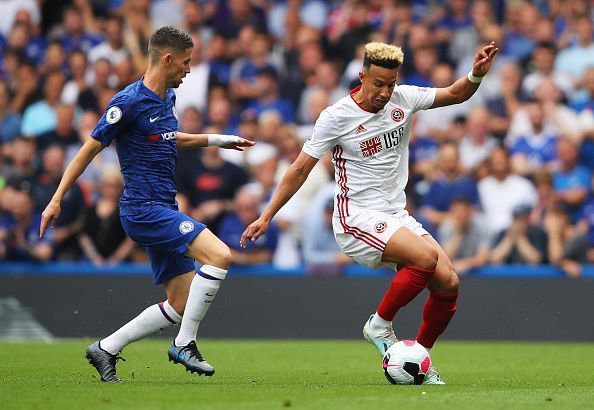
(379, 324)
(202, 292)
(153, 319)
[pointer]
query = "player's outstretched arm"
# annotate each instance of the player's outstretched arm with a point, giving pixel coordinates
(76, 167)
(466, 86)
(185, 141)
(291, 182)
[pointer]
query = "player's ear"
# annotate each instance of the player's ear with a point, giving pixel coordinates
(361, 76)
(167, 58)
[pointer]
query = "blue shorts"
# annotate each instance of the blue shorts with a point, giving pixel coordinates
(166, 234)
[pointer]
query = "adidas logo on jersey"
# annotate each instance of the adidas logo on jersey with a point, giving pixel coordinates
(360, 129)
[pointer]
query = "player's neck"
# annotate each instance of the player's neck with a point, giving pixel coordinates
(361, 102)
(155, 81)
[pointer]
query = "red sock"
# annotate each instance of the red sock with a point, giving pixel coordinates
(406, 285)
(437, 313)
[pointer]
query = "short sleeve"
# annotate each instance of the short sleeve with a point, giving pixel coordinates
(419, 98)
(323, 136)
(117, 117)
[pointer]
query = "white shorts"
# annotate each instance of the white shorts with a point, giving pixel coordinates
(363, 234)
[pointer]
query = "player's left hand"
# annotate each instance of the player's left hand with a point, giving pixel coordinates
(484, 59)
(49, 216)
(240, 145)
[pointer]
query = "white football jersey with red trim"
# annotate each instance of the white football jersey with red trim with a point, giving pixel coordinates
(370, 150)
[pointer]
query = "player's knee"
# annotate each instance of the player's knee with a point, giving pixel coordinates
(452, 283)
(221, 257)
(427, 258)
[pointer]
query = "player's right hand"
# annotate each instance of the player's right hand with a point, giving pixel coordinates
(253, 231)
(49, 216)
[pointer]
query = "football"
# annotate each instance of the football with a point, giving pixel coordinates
(406, 362)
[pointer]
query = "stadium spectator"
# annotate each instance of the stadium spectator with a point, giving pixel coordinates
(246, 208)
(268, 96)
(543, 179)
(301, 63)
(64, 134)
(209, 183)
(23, 40)
(244, 71)
(541, 66)
(584, 107)
(19, 231)
(453, 30)
(319, 99)
(71, 220)
(464, 236)
(321, 254)
(40, 116)
(575, 59)
(537, 147)
(54, 59)
(478, 143)
(327, 79)
(424, 59)
(567, 246)
(77, 82)
(112, 48)
(521, 19)
(521, 242)
(233, 15)
(357, 32)
(504, 106)
(102, 238)
(571, 182)
(194, 23)
(103, 80)
(10, 9)
(80, 31)
(438, 124)
(502, 191)
(449, 184)
(136, 34)
(10, 122)
(21, 166)
(26, 87)
(312, 13)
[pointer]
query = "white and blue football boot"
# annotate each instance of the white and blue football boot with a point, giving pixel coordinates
(190, 357)
(382, 340)
(432, 377)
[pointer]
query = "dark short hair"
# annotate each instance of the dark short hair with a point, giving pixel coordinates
(368, 62)
(169, 37)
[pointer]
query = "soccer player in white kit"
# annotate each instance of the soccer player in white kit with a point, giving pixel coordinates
(368, 132)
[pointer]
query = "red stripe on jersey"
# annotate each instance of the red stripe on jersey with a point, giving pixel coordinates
(343, 209)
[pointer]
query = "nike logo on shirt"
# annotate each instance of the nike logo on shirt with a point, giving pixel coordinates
(154, 119)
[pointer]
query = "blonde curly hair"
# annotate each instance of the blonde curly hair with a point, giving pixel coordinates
(383, 55)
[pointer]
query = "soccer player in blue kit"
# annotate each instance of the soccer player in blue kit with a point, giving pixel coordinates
(143, 122)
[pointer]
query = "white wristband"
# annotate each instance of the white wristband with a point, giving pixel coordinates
(474, 79)
(220, 139)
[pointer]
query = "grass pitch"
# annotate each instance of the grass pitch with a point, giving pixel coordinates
(300, 374)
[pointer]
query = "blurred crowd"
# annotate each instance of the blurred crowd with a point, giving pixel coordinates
(504, 178)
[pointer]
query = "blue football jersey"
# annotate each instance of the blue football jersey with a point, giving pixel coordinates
(144, 127)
